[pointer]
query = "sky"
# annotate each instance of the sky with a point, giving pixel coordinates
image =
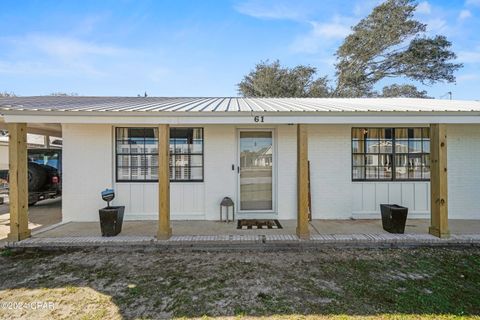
(198, 48)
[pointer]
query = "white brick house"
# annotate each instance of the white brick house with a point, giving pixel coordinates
(362, 152)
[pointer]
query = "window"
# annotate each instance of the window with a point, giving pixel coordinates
(186, 154)
(137, 154)
(386, 154)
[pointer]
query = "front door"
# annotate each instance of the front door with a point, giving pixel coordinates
(256, 174)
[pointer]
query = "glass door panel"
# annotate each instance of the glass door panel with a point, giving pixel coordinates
(256, 163)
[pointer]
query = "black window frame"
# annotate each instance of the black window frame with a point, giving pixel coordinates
(392, 154)
(117, 154)
(187, 154)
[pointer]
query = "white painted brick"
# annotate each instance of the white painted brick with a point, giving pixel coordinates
(88, 169)
(463, 143)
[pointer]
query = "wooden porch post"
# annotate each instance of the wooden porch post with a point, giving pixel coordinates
(302, 182)
(164, 229)
(438, 181)
(18, 181)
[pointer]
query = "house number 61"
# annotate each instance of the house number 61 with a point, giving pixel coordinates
(258, 119)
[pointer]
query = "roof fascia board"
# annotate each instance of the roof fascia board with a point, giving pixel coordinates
(309, 118)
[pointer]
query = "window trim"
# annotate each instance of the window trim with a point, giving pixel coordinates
(393, 153)
(117, 180)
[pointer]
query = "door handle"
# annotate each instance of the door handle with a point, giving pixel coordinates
(238, 169)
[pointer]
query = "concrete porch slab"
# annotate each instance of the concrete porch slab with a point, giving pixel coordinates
(179, 228)
(214, 228)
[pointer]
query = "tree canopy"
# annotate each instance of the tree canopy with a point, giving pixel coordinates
(388, 43)
(273, 80)
(404, 91)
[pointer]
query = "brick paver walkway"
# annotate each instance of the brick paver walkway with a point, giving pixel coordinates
(367, 240)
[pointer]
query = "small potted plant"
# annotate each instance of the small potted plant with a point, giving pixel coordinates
(111, 217)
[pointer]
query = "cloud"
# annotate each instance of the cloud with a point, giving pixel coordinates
(28, 68)
(275, 10)
(332, 30)
(469, 56)
(321, 36)
(472, 2)
(468, 77)
(65, 48)
(424, 8)
(56, 55)
(364, 7)
(464, 14)
(436, 25)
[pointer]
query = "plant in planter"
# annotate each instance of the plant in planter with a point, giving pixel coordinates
(111, 217)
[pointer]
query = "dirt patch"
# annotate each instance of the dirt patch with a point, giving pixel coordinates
(383, 283)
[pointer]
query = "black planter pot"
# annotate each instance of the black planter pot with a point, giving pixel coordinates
(394, 217)
(111, 219)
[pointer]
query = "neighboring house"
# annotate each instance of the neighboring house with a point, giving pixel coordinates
(362, 152)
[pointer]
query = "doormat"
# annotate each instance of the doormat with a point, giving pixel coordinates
(245, 224)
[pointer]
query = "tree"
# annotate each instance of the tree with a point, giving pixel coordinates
(390, 43)
(273, 80)
(7, 94)
(404, 91)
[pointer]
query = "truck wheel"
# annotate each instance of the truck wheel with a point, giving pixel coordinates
(37, 176)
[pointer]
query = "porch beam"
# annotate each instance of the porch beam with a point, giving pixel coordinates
(164, 229)
(438, 181)
(18, 182)
(303, 231)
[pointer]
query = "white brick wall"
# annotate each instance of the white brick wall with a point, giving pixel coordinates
(220, 179)
(287, 171)
(335, 196)
(331, 188)
(88, 169)
(463, 171)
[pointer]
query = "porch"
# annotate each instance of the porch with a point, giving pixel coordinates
(164, 228)
(214, 228)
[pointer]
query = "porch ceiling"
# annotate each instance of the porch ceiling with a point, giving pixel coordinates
(51, 129)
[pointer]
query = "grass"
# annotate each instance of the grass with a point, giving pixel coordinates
(430, 283)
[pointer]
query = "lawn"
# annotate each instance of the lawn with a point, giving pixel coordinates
(427, 283)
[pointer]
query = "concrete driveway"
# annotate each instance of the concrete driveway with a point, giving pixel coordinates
(44, 213)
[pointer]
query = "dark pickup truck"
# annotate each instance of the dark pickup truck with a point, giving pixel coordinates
(44, 174)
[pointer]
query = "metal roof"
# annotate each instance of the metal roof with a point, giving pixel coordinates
(229, 104)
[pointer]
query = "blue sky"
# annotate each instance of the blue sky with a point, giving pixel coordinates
(197, 48)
